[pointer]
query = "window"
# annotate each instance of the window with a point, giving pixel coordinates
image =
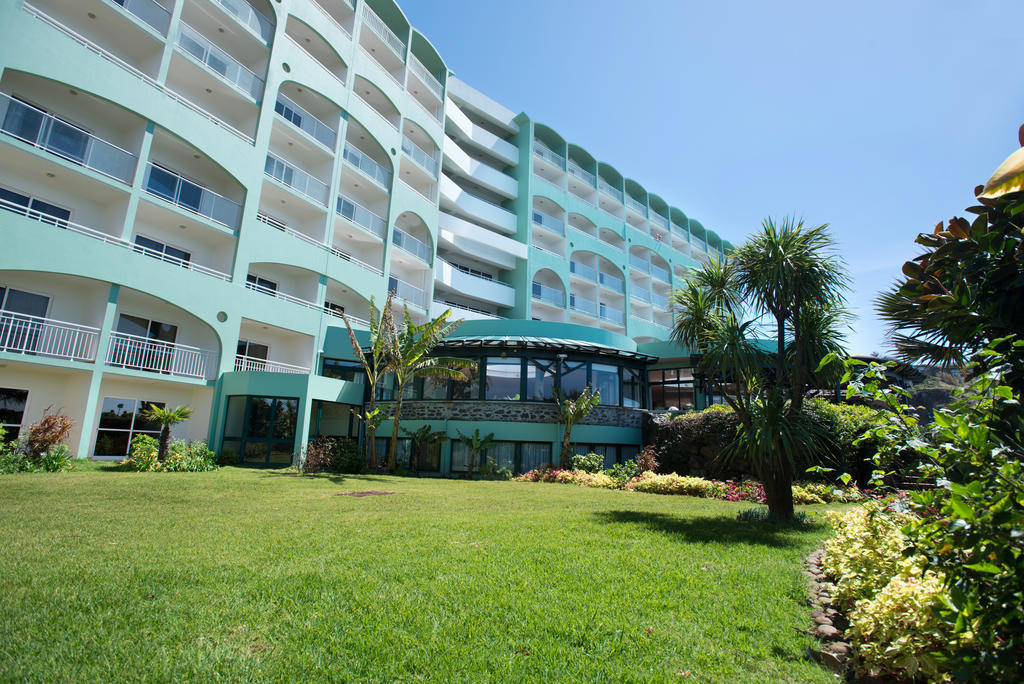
(251, 356)
(540, 380)
(173, 188)
(277, 169)
(260, 284)
(503, 379)
(605, 379)
(288, 113)
(403, 450)
(20, 331)
(632, 388)
(672, 388)
(120, 421)
(503, 454)
(261, 430)
(467, 385)
(34, 208)
(471, 271)
(331, 419)
(29, 123)
(332, 308)
(12, 411)
(573, 378)
(534, 455)
(158, 250)
(148, 345)
(352, 371)
(21, 302)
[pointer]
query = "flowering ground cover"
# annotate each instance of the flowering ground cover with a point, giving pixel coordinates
(268, 575)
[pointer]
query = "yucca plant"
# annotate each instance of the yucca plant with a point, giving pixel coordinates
(785, 284)
(165, 418)
(409, 354)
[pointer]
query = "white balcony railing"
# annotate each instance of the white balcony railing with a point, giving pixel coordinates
(410, 293)
(109, 239)
(583, 271)
(611, 282)
(428, 78)
(361, 216)
(456, 308)
(248, 17)
(183, 193)
(546, 153)
(284, 296)
(149, 80)
(46, 132)
(296, 179)
(408, 243)
(35, 336)
(640, 294)
(636, 205)
(327, 15)
(420, 156)
(273, 223)
(239, 76)
(659, 220)
(153, 13)
(156, 356)
(362, 161)
(608, 313)
(660, 273)
(610, 190)
(386, 34)
(297, 116)
(582, 304)
(249, 364)
(581, 173)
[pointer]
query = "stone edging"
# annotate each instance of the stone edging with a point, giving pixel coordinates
(832, 650)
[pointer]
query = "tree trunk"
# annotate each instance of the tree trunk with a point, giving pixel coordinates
(396, 419)
(165, 442)
(472, 459)
(565, 448)
(778, 493)
(780, 351)
(371, 434)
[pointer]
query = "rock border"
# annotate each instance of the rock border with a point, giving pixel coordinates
(833, 651)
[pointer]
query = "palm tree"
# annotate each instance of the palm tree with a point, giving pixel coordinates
(572, 410)
(376, 364)
(423, 439)
(789, 277)
(477, 446)
(165, 418)
(409, 354)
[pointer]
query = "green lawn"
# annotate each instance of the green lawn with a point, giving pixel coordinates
(246, 574)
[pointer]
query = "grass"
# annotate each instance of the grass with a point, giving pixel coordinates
(266, 575)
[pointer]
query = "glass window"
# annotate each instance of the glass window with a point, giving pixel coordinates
(672, 389)
(162, 183)
(503, 377)
(331, 419)
(468, 385)
(435, 387)
(503, 455)
(120, 421)
(23, 120)
(605, 379)
(235, 419)
(352, 371)
(14, 202)
(540, 380)
(12, 410)
(534, 455)
(386, 388)
(28, 303)
(260, 409)
(632, 389)
(286, 415)
(269, 436)
(573, 379)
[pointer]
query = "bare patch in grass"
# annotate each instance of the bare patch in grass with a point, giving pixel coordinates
(367, 492)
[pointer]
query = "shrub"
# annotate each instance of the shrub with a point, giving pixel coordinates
(696, 438)
(747, 490)
(865, 551)
(57, 459)
(647, 460)
(585, 479)
(540, 475)
(896, 631)
(673, 484)
(591, 463)
(623, 472)
(189, 457)
(347, 457)
(47, 432)
(317, 455)
(764, 515)
(228, 457)
(821, 492)
(489, 470)
(142, 455)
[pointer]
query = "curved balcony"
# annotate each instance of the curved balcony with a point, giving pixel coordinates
(408, 292)
(299, 181)
(152, 13)
(362, 161)
(414, 246)
(420, 156)
(361, 216)
(548, 222)
(171, 187)
(247, 16)
(548, 295)
(36, 336)
(307, 123)
(156, 356)
(46, 132)
(236, 74)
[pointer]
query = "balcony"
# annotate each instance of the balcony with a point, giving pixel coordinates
(297, 180)
(636, 205)
(362, 161)
(582, 304)
(219, 62)
(405, 291)
(35, 336)
(244, 364)
(361, 216)
(421, 157)
(253, 21)
(152, 13)
(660, 273)
(463, 311)
(46, 132)
(469, 282)
(548, 295)
(611, 314)
(659, 220)
(549, 155)
(305, 122)
(277, 294)
(408, 243)
(547, 222)
(659, 300)
(583, 271)
(641, 294)
(156, 356)
(581, 173)
(171, 187)
(378, 26)
(607, 189)
(611, 282)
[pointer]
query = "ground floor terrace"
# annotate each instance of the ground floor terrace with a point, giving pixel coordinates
(245, 574)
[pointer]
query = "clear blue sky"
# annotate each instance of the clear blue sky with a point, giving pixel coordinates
(877, 117)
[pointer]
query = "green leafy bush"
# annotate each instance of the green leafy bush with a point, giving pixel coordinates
(15, 456)
(317, 455)
(591, 463)
(586, 479)
(347, 457)
(865, 551)
(57, 459)
(821, 492)
(142, 455)
(189, 457)
(622, 473)
(674, 484)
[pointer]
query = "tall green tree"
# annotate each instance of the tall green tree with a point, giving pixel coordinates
(409, 351)
(165, 418)
(572, 410)
(785, 285)
(376, 364)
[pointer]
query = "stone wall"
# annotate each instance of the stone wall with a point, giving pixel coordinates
(513, 412)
